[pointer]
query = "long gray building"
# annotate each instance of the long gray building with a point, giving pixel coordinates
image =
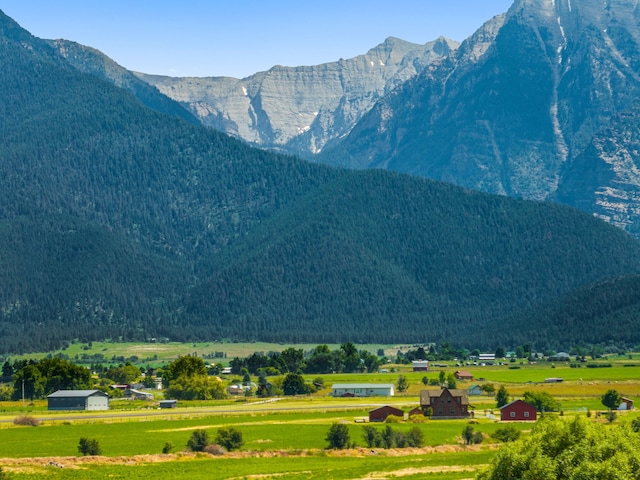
(78, 400)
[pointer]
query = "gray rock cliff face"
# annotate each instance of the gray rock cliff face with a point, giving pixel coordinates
(540, 103)
(302, 109)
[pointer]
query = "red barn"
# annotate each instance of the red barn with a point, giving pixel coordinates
(518, 411)
(380, 414)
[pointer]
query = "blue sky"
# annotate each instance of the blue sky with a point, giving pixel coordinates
(232, 38)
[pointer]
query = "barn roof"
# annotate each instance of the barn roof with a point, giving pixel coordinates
(76, 393)
(427, 395)
(516, 401)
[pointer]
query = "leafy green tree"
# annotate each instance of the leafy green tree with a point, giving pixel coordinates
(502, 397)
(506, 434)
(371, 436)
(321, 360)
(577, 449)
(470, 436)
(293, 384)
(369, 361)
(198, 441)
(451, 381)
(183, 367)
(28, 381)
(635, 424)
(543, 401)
(196, 387)
(89, 446)
(488, 388)
(388, 437)
(611, 399)
(402, 384)
(415, 437)
(351, 358)
(7, 372)
(230, 438)
(338, 436)
(293, 359)
(124, 374)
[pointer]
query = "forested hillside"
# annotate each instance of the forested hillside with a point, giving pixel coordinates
(117, 221)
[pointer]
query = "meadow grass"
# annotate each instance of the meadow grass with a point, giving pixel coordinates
(155, 353)
(321, 465)
(261, 432)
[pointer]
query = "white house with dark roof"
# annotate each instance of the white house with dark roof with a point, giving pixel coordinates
(363, 390)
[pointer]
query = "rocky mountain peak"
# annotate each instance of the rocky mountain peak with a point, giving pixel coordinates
(302, 109)
(539, 103)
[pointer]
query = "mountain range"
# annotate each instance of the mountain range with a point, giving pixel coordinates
(540, 103)
(122, 217)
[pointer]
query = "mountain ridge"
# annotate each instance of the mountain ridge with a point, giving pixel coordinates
(118, 221)
(550, 83)
(301, 109)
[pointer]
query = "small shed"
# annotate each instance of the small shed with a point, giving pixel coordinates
(463, 375)
(420, 365)
(380, 414)
(626, 404)
(475, 390)
(415, 411)
(78, 400)
(518, 411)
(168, 403)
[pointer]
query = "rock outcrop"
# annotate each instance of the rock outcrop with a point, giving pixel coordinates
(302, 109)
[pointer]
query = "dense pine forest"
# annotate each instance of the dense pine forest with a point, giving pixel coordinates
(119, 221)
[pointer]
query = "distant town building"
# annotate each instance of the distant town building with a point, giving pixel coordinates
(420, 365)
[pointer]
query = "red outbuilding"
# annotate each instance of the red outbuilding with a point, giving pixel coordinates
(518, 411)
(380, 414)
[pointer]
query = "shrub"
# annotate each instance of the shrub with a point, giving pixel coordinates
(506, 434)
(415, 437)
(338, 436)
(230, 438)
(393, 419)
(635, 425)
(168, 447)
(470, 436)
(371, 436)
(26, 420)
(89, 446)
(214, 449)
(199, 439)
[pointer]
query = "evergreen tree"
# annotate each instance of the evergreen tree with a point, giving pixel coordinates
(502, 397)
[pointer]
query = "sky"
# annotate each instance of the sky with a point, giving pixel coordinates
(238, 38)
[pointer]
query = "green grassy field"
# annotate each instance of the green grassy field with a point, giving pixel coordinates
(286, 438)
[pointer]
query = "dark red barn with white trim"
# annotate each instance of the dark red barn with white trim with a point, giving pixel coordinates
(518, 411)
